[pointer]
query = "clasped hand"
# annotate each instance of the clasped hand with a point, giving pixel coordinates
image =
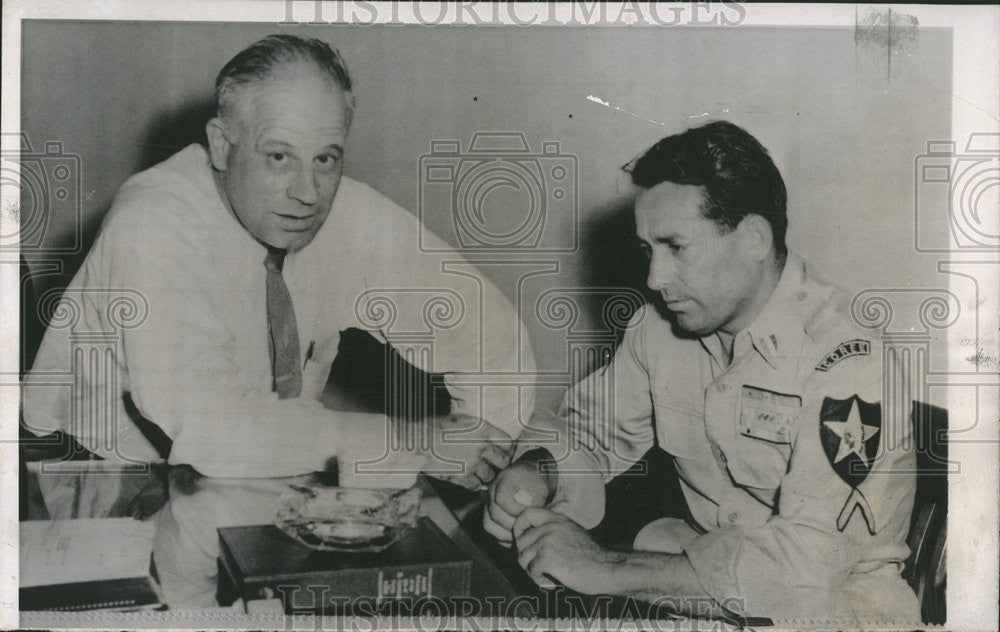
(466, 450)
(552, 548)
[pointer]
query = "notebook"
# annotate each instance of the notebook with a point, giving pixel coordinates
(87, 564)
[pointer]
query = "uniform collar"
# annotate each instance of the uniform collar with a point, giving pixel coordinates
(778, 329)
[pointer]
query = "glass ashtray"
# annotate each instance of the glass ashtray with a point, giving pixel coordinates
(347, 518)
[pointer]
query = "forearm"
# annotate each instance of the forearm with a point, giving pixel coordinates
(662, 579)
(286, 438)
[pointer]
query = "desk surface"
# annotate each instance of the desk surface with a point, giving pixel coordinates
(500, 589)
(499, 582)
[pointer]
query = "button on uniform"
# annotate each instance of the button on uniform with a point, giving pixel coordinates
(728, 516)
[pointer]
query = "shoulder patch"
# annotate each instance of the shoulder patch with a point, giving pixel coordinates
(846, 349)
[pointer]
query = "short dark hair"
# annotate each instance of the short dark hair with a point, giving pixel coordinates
(260, 60)
(736, 172)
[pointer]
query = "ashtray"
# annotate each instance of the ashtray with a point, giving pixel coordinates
(346, 518)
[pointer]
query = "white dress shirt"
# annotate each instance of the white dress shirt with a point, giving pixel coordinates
(170, 307)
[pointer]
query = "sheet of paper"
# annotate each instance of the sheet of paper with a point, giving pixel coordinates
(66, 551)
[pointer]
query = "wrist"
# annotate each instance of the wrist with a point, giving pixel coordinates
(621, 573)
(610, 575)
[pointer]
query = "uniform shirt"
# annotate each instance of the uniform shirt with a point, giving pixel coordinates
(177, 288)
(796, 471)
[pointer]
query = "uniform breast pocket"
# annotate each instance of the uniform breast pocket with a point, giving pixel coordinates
(757, 457)
(680, 431)
(758, 464)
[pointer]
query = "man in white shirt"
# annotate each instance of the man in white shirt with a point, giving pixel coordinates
(750, 372)
(224, 278)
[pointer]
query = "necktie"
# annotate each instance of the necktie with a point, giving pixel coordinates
(283, 333)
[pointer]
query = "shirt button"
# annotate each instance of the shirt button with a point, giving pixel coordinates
(720, 387)
(801, 295)
(733, 517)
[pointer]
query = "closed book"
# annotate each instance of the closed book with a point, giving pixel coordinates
(261, 562)
(87, 564)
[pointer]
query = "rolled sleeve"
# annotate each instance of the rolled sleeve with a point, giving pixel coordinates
(604, 426)
(780, 570)
(447, 315)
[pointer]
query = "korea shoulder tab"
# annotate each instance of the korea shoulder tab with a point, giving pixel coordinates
(845, 349)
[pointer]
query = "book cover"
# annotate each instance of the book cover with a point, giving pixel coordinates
(261, 562)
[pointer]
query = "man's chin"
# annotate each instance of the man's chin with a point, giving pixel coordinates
(292, 241)
(690, 325)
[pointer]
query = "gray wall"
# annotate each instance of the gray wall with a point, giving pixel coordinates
(843, 131)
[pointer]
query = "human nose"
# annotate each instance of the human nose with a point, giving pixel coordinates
(661, 272)
(303, 187)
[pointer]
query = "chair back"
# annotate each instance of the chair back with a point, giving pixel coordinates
(925, 569)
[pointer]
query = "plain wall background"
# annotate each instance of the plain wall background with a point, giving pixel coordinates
(843, 130)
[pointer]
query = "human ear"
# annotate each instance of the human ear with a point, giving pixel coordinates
(757, 236)
(218, 144)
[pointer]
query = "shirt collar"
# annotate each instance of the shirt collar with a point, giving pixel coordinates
(779, 327)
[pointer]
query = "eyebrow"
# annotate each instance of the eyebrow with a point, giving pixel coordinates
(672, 238)
(274, 142)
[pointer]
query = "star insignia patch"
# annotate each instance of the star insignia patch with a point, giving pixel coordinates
(849, 431)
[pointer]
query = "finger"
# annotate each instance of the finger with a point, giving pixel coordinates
(484, 471)
(505, 446)
(497, 436)
(546, 583)
(490, 526)
(539, 571)
(495, 456)
(526, 554)
(468, 481)
(500, 516)
(532, 517)
(532, 537)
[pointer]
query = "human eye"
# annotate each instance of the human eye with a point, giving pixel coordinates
(674, 245)
(646, 249)
(277, 158)
(327, 161)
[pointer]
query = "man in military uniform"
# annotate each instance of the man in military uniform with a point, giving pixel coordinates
(750, 372)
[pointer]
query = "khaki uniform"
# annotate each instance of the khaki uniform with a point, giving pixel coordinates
(798, 475)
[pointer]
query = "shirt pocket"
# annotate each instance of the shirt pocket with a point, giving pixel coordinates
(680, 431)
(316, 368)
(756, 463)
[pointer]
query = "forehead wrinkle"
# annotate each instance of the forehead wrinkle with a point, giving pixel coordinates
(249, 99)
(258, 130)
(300, 141)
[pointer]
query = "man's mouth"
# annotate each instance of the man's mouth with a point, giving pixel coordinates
(676, 304)
(295, 223)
